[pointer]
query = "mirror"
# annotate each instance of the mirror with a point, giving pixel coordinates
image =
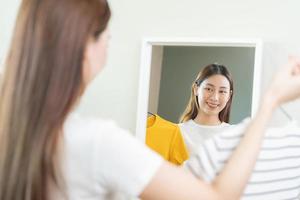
(170, 65)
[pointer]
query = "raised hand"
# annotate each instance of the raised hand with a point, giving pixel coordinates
(286, 83)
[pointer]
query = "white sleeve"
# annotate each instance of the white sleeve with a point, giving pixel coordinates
(123, 164)
(215, 152)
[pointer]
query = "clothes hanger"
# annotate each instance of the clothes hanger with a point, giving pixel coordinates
(290, 118)
(150, 113)
(292, 121)
(290, 127)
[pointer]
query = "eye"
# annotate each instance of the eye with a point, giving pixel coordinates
(223, 92)
(208, 89)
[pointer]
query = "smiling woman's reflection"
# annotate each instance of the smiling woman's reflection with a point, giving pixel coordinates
(208, 109)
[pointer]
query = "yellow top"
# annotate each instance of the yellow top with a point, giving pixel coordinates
(165, 138)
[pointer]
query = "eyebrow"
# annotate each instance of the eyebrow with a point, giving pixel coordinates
(212, 85)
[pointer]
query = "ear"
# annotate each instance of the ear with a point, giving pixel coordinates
(195, 90)
(86, 63)
(230, 96)
(88, 50)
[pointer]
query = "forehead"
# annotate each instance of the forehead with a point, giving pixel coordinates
(217, 81)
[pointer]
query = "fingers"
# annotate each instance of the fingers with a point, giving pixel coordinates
(296, 70)
(294, 65)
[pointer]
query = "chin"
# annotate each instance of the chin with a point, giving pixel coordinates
(209, 112)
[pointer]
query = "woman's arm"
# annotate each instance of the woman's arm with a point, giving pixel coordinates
(175, 183)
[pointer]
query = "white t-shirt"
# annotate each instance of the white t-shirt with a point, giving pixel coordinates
(276, 175)
(102, 160)
(195, 134)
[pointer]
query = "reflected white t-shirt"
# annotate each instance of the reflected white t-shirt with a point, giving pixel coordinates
(195, 134)
(102, 160)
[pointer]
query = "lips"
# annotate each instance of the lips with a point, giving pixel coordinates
(212, 105)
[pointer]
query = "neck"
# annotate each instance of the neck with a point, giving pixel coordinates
(210, 120)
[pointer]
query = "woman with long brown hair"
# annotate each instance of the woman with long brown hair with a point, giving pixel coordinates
(208, 110)
(48, 152)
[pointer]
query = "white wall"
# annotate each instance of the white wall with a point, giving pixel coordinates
(114, 94)
(155, 77)
(8, 12)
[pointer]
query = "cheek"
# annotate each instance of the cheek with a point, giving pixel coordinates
(201, 98)
(97, 60)
(224, 101)
(204, 97)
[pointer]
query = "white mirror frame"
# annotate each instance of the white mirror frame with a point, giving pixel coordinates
(145, 70)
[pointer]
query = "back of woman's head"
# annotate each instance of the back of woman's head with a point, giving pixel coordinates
(193, 108)
(42, 81)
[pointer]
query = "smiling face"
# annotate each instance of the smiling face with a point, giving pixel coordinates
(213, 95)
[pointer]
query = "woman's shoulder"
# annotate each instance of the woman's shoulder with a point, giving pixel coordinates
(235, 129)
(80, 129)
(192, 124)
(98, 149)
(225, 124)
(77, 123)
(186, 123)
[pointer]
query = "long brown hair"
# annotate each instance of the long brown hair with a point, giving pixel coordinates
(42, 81)
(193, 108)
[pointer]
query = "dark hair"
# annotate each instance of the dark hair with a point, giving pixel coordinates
(192, 107)
(43, 79)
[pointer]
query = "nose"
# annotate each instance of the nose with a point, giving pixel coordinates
(214, 96)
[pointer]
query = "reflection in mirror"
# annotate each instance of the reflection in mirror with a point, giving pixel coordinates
(196, 92)
(179, 68)
(208, 109)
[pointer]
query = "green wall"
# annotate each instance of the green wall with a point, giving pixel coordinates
(181, 65)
